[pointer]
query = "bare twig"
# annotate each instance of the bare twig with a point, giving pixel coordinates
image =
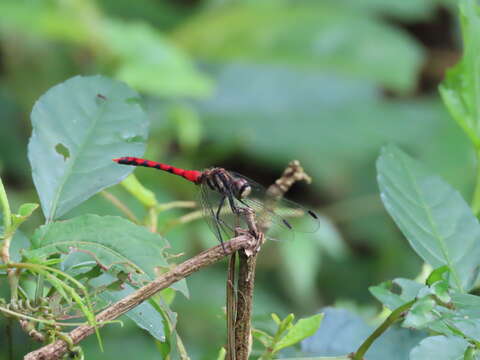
(248, 258)
(245, 286)
(231, 308)
(208, 257)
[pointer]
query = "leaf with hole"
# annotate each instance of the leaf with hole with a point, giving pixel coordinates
(384, 292)
(78, 127)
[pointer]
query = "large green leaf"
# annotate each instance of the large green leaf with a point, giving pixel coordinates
(342, 332)
(78, 127)
(309, 35)
(440, 348)
(117, 244)
(435, 219)
(461, 88)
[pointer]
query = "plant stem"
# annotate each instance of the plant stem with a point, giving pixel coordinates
(476, 194)
(7, 239)
(7, 214)
(176, 205)
(8, 331)
(392, 318)
(120, 206)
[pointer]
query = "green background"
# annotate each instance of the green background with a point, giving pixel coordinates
(249, 86)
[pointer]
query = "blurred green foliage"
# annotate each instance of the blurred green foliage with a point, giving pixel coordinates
(250, 85)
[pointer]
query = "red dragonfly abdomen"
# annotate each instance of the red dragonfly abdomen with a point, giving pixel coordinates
(191, 175)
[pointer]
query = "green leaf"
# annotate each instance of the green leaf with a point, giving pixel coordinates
(19, 243)
(175, 74)
(24, 213)
(434, 218)
(301, 330)
(440, 348)
(384, 292)
(315, 36)
(276, 319)
(27, 209)
(461, 88)
(342, 332)
(117, 244)
(420, 314)
(78, 127)
(441, 290)
(144, 315)
(437, 275)
(262, 336)
(461, 320)
(286, 323)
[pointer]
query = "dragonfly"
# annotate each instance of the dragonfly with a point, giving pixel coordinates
(225, 194)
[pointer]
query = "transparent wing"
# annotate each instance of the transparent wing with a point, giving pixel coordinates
(283, 214)
(222, 226)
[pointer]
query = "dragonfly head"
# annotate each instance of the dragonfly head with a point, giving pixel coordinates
(242, 188)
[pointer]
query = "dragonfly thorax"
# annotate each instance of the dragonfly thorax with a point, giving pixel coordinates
(222, 181)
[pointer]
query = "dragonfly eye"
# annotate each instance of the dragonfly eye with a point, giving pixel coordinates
(243, 188)
(245, 191)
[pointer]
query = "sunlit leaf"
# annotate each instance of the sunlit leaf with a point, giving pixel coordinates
(302, 329)
(78, 127)
(435, 219)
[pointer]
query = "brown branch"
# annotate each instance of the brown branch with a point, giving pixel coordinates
(248, 258)
(231, 308)
(245, 286)
(208, 257)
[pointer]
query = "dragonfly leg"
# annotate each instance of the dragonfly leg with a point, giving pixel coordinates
(217, 218)
(232, 205)
(220, 206)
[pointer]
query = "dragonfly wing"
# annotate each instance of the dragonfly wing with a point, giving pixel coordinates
(282, 213)
(220, 225)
